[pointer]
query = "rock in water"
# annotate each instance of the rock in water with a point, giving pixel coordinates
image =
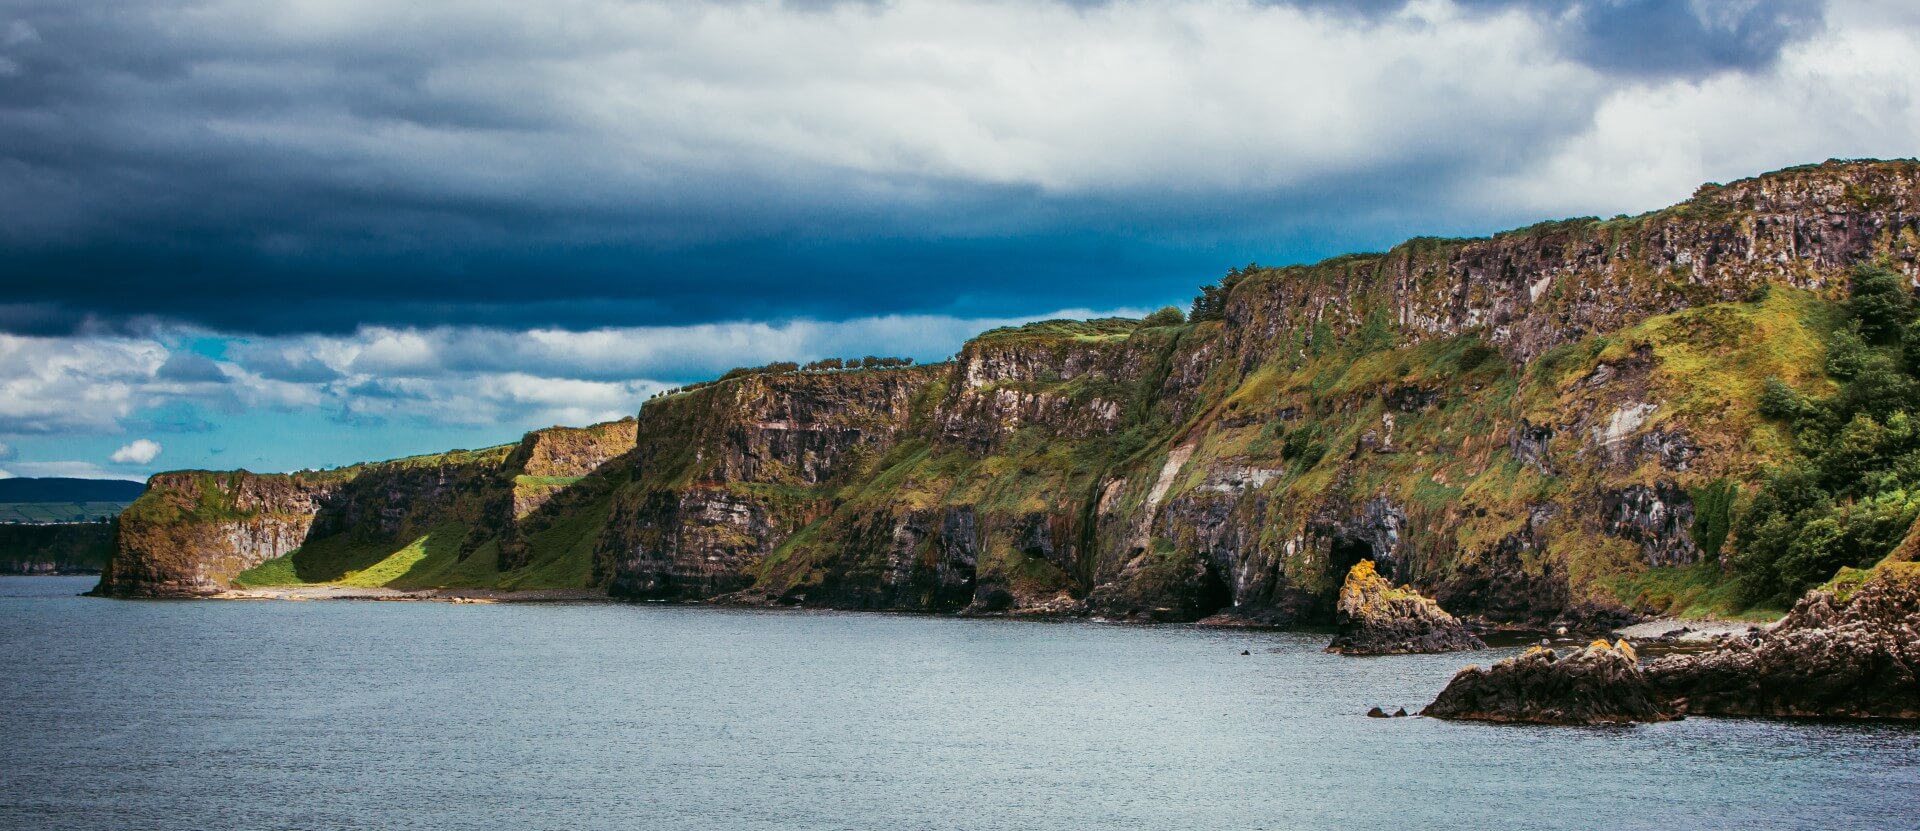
(1379, 619)
(1849, 651)
(1838, 654)
(1601, 684)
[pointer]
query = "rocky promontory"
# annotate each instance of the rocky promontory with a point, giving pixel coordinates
(1845, 651)
(1600, 684)
(1379, 619)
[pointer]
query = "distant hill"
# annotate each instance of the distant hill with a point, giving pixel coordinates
(65, 500)
(70, 490)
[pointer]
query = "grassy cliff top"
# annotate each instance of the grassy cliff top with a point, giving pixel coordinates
(1851, 175)
(1103, 328)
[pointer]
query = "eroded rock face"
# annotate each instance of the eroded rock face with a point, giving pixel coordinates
(1831, 657)
(1601, 684)
(726, 474)
(1659, 519)
(191, 532)
(1382, 620)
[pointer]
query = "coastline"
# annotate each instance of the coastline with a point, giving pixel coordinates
(1672, 630)
(299, 593)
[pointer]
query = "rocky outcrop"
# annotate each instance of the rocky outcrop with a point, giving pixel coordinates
(1378, 619)
(1658, 519)
(724, 474)
(1843, 652)
(1601, 684)
(193, 531)
(1839, 654)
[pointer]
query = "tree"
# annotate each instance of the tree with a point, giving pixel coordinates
(1212, 302)
(1166, 316)
(1879, 301)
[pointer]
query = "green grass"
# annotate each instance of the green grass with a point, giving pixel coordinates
(342, 560)
(1696, 591)
(562, 553)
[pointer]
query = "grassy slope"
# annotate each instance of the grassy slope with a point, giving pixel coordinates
(561, 548)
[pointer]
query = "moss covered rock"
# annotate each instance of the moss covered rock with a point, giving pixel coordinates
(1379, 619)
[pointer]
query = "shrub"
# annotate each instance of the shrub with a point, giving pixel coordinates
(1166, 316)
(1878, 300)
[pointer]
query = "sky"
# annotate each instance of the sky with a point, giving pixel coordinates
(280, 234)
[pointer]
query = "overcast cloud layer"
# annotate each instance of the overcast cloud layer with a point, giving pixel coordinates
(488, 213)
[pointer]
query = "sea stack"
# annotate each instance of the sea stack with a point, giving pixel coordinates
(1379, 619)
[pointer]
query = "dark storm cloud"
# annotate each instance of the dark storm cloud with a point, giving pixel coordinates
(1649, 38)
(253, 168)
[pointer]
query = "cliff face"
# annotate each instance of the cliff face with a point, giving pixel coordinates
(192, 532)
(196, 533)
(726, 473)
(1513, 425)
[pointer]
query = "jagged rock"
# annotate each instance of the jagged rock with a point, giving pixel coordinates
(1601, 684)
(1836, 655)
(1382, 620)
(1528, 443)
(1659, 519)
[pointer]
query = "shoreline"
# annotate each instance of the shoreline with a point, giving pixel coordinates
(381, 593)
(1673, 630)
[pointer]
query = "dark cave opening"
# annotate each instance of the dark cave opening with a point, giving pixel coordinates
(1345, 554)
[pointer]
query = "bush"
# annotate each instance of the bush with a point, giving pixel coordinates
(1878, 300)
(1713, 515)
(1846, 352)
(1856, 490)
(1782, 402)
(1166, 316)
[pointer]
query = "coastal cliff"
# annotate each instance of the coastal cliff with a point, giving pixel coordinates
(1558, 423)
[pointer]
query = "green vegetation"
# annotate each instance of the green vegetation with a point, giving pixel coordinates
(1697, 591)
(76, 546)
(1852, 487)
(1166, 316)
(1211, 304)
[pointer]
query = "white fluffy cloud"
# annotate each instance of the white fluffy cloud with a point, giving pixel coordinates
(136, 452)
(444, 375)
(56, 385)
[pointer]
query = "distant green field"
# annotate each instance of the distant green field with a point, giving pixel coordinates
(59, 511)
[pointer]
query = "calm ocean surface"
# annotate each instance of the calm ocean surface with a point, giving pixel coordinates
(321, 715)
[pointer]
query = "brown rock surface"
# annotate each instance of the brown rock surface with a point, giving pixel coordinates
(1379, 619)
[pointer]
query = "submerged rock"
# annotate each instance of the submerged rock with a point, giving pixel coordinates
(1601, 684)
(1838, 654)
(1379, 619)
